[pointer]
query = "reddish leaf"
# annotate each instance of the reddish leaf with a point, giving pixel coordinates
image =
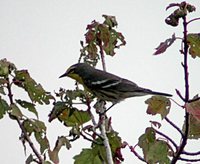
(164, 45)
(194, 109)
(194, 128)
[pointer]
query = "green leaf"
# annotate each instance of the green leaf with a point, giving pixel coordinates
(3, 107)
(153, 147)
(34, 90)
(15, 111)
(154, 154)
(74, 117)
(61, 141)
(47, 162)
(6, 67)
(3, 82)
(146, 140)
(115, 145)
(114, 141)
(110, 21)
(87, 156)
(42, 140)
(58, 108)
(33, 125)
(2, 90)
(193, 41)
(28, 105)
(29, 159)
(158, 105)
(39, 129)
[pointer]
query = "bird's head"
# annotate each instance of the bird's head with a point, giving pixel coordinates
(74, 72)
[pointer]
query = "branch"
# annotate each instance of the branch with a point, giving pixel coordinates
(27, 138)
(91, 140)
(189, 160)
(102, 56)
(136, 154)
(173, 125)
(102, 115)
(103, 133)
(25, 135)
(177, 103)
(179, 94)
(191, 153)
(168, 138)
(193, 20)
(186, 74)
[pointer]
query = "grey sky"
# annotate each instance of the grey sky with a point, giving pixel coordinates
(43, 36)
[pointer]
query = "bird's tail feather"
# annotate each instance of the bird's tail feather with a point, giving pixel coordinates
(148, 91)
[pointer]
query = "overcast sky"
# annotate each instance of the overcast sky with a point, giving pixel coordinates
(44, 36)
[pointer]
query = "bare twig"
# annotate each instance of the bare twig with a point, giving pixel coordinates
(193, 20)
(168, 138)
(102, 56)
(177, 103)
(136, 154)
(173, 125)
(189, 160)
(89, 139)
(191, 153)
(179, 94)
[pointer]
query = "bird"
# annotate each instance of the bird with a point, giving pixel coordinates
(106, 86)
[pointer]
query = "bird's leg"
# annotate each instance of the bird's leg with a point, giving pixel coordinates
(100, 107)
(109, 107)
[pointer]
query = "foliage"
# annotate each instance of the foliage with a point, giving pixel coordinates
(73, 107)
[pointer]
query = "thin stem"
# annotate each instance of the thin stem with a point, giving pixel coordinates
(173, 125)
(102, 56)
(136, 154)
(192, 20)
(189, 160)
(179, 94)
(89, 139)
(168, 138)
(177, 103)
(25, 135)
(27, 138)
(191, 153)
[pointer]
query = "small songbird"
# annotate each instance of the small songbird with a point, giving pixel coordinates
(106, 86)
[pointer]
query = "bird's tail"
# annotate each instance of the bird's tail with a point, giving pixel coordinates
(161, 94)
(148, 91)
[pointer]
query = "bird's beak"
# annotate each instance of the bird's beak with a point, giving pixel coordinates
(65, 74)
